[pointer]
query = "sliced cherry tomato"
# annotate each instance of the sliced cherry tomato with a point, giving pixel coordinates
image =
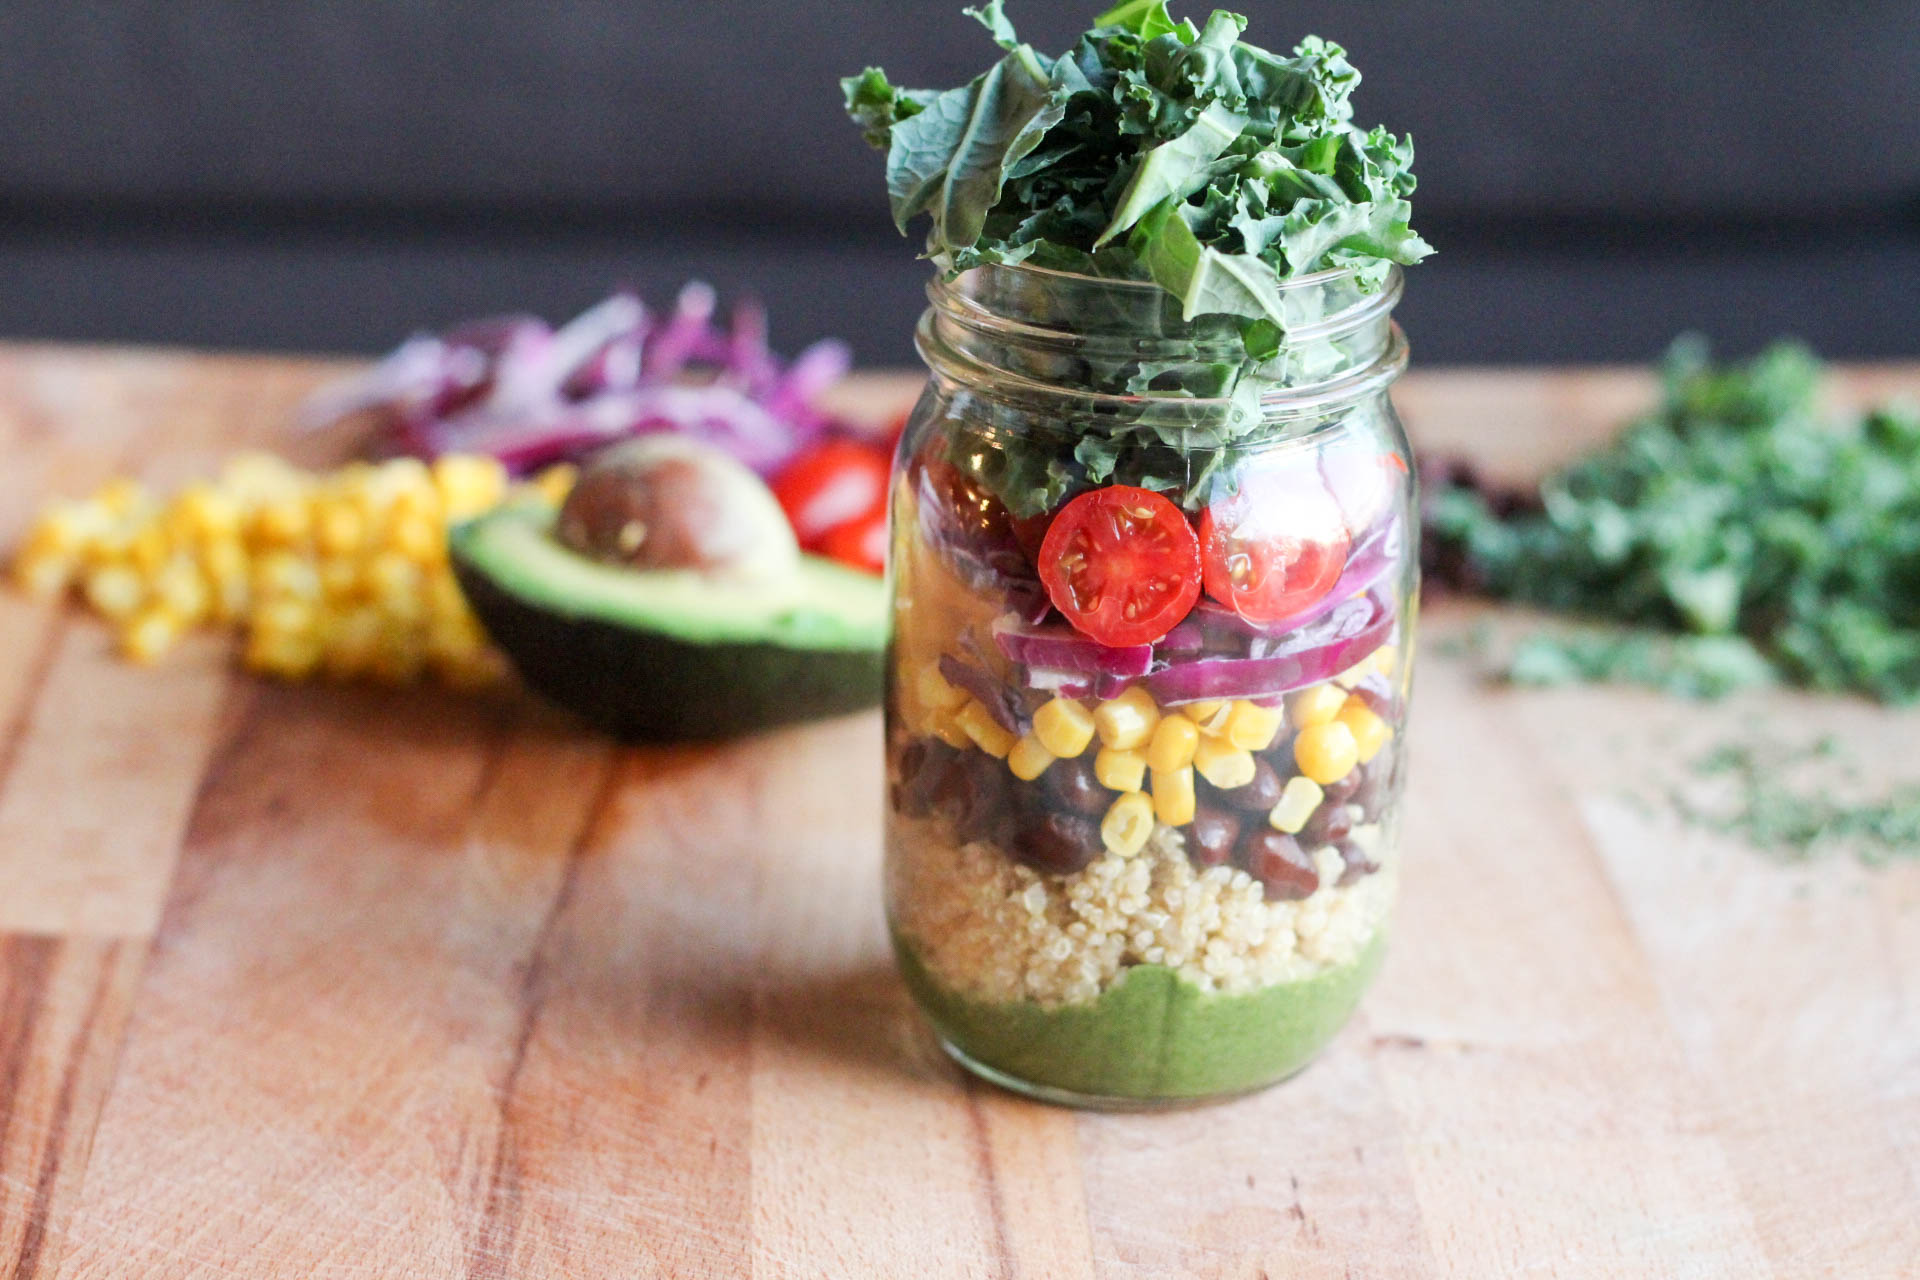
(1275, 546)
(861, 543)
(1121, 564)
(831, 484)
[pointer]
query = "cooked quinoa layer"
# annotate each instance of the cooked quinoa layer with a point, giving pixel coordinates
(988, 928)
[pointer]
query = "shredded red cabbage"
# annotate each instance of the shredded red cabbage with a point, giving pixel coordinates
(989, 692)
(526, 393)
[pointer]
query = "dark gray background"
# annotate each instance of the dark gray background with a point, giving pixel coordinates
(273, 174)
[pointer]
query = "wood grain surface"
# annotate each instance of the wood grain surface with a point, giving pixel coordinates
(342, 982)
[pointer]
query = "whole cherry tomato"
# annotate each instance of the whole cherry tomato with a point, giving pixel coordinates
(833, 483)
(861, 543)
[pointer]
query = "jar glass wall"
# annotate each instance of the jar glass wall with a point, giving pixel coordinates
(1148, 686)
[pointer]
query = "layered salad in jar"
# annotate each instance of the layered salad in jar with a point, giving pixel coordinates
(1151, 559)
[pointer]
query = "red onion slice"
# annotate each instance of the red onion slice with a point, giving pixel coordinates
(1067, 650)
(1298, 661)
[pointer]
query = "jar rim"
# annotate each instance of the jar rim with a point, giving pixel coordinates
(1307, 399)
(976, 311)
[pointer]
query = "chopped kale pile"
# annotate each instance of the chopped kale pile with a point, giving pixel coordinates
(1150, 150)
(1736, 512)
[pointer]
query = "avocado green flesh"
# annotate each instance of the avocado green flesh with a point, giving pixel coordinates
(1153, 1035)
(664, 657)
(823, 606)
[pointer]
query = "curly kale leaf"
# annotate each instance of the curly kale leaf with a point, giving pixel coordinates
(1056, 160)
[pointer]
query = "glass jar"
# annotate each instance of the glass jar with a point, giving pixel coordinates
(1153, 589)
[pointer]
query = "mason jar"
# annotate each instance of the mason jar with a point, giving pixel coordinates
(1153, 585)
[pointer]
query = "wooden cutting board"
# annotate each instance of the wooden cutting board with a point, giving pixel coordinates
(345, 982)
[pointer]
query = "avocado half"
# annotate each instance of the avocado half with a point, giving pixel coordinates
(670, 655)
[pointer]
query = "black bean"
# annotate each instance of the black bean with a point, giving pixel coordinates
(1071, 785)
(1257, 796)
(1341, 791)
(1374, 788)
(1059, 843)
(1212, 835)
(1330, 822)
(986, 811)
(1280, 865)
(929, 775)
(1358, 863)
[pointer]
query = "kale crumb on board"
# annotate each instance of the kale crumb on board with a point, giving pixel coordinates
(1732, 536)
(1798, 801)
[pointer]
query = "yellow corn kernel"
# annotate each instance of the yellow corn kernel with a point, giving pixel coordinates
(253, 478)
(122, 496)
(228, 598)
(441, 591)
(1252, 727)
(417, 537)
(986, 732)
(207, 512)
(455, 639)
(556, 482)
(934, 692)
(1318, 705)
(1127, 721)
(1223, 764)
(1119, 770)
(291, 657)
(945, 725)
(1326, 752)
(339, 528)
(42, 575)
(1370, 732)
(405, 481)
(395, 580)
(340, 579)
(180, 588)
(1385, 659)
(351, 642)
(1298, 799)
(284, 617)
(149, 634)
(149, 548)
(282, 522)
(67, 528)
(1127, 825)
(1064, 727)
(281, 574)
(468, 484)
(1202, 712)
(1173, 801)
(1172, 745)
(1029, 758)
(224, 558)
(115, 591)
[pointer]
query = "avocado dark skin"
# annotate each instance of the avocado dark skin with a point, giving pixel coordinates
(644, 686)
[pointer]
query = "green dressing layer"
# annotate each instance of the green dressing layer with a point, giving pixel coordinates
(1153, 1034)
